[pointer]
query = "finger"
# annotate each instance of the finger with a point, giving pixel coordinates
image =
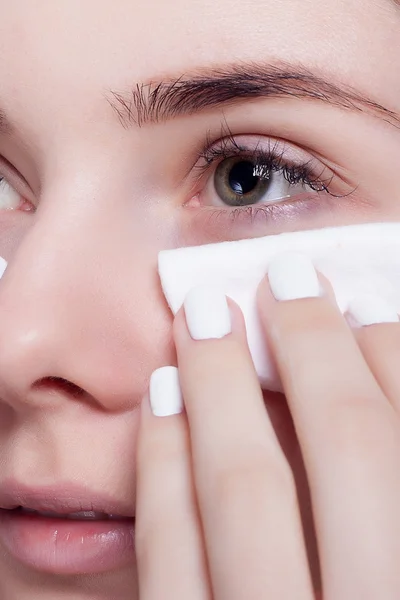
(347, 429)
(170, 556)
(245, 488)
(378, 335)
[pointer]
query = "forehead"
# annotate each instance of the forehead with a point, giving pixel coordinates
(69, 48)
(150, 36)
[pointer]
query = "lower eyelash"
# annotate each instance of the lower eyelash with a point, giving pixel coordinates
(256, 217)
(256, 212)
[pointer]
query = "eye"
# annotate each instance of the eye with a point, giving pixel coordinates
(10, 199)
(246, 171)
(242, 181)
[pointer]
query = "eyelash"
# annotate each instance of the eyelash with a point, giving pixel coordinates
(266, 160)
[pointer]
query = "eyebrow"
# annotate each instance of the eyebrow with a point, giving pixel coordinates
(150, 103)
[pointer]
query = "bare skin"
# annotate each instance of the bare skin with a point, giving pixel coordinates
(81, 303)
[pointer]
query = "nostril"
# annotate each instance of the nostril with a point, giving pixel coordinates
(58, 384)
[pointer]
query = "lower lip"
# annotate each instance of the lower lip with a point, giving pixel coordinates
(64, 546)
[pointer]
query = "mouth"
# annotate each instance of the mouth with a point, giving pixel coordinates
(65, 529)
(83, 515)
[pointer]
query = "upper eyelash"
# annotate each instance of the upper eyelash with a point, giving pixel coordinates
(271, 158)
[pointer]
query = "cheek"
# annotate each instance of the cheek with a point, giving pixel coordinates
(154, 327)
(139, 322)
(135, 326)
(14, 225)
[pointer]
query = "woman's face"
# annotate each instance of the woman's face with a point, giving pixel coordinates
(115, 118)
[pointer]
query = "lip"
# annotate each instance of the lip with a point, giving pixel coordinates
(61, 498)
(63, 546)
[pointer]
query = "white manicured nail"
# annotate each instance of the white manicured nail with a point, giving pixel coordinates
(207, 314)
(165, 392)
(371, 310)
(293, 276)
(3, 266)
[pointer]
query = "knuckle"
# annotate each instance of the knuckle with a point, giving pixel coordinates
(162, 447)
(156, 456)
(247, 481)
(364, 428)
(318, 319)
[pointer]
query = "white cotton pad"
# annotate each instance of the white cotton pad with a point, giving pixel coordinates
(358, 260)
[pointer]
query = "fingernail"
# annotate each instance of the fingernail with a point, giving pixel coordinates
(207, 314)
(371, 310)
(293, 276)
(3, 266)
(165, 392)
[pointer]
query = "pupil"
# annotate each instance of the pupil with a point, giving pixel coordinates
(242, 179)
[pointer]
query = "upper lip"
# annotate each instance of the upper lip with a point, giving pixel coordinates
(62, 498)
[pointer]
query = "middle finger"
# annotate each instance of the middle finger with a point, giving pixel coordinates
(247, 497)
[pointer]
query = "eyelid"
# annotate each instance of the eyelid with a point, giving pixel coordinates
(232, 145)
(282, 150)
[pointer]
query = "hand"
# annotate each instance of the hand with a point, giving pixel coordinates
(218, 516)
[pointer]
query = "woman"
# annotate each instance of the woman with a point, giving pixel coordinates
(128, 128)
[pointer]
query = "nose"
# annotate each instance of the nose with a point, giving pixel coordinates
(81, 314)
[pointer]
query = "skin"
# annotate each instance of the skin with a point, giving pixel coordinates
(81, 299)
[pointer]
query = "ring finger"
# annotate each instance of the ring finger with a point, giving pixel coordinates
(378, 336)
(347, 429)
